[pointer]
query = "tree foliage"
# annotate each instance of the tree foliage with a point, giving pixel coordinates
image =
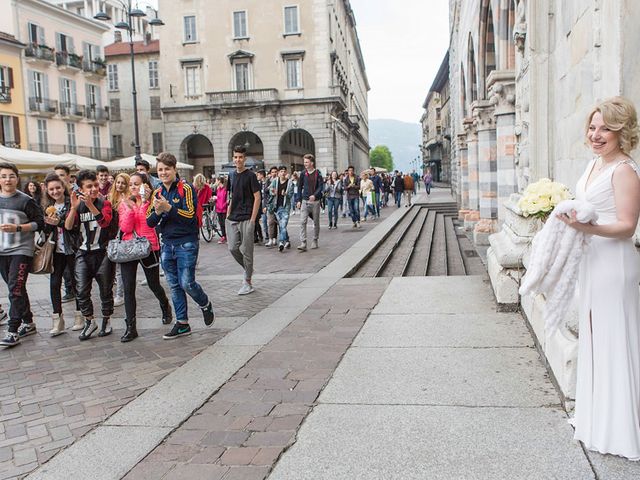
(381, 156)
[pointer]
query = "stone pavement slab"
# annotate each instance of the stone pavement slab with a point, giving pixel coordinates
(389, 442)
(450, 330)
(441, 376)
(463, 294)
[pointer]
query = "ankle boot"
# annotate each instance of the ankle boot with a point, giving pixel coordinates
(105, 329)
(167, 316)
(58, 324)
(78, 321)
(131, 332)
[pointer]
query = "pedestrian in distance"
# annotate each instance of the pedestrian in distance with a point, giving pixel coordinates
(398, 188)
(173, 208)
(104, 180)
(367, 191)
(242, 214)
(408, 189)
(222, 204)
(333, 194)
(56, 205)
(351, 186)
(261, 232)
(34, 190)
(20, 217)
(89, 219)
(428, 181)
(377, 191)
(132, 221)
(281, 198)
(272, 221)
(142, 166)
(309, 194)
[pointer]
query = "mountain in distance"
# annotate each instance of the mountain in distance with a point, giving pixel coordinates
(402, 138)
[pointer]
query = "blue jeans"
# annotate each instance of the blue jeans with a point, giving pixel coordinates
(398, 198)
(265, 226)
(333, 204)
(282, 214)
(179, 265)
(354, 209)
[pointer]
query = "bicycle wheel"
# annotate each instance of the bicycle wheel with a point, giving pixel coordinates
(207, 228)
(215, 225)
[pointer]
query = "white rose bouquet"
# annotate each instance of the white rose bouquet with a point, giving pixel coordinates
(541, 197)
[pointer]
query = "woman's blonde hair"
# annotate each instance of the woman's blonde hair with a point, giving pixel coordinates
(114, 197)
(199, 180)
(619, 115)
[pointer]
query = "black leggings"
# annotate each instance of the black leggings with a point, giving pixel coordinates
(129, 272)
(221, 219)
(61, 264)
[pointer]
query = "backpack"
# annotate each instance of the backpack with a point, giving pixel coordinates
(199, 209)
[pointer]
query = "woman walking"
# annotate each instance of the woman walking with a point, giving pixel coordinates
(56, 205)
(607, 413)
(132, 220)
(222, 203)
(366, 190)
(119, 192)
(333, 194)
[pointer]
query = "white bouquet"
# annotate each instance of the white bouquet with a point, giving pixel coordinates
(541, 197)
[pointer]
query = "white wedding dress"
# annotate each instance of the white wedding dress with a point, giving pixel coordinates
(607, 413)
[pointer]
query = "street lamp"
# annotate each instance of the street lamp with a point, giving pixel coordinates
(132, 13)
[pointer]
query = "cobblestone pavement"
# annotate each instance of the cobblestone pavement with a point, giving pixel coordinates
(52, 391)
(244, 428)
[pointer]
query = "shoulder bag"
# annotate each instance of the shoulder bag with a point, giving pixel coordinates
(123, 251)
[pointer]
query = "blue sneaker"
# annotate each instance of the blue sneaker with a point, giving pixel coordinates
(11, 340)
(178, 330)
(27, 329)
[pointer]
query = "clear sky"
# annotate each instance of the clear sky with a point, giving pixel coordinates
(404, 42)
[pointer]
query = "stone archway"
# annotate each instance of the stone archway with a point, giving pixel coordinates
(197, 150)
(294, 145)
(249, 140)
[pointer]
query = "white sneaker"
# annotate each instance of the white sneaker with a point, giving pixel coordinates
(118, 301)
(246, 289)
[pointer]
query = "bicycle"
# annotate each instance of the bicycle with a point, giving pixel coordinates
(210, 224)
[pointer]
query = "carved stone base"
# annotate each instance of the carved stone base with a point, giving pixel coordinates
(505, 282)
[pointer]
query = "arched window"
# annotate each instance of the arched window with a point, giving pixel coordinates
(489, 42)
(473, 74)
(463, 93)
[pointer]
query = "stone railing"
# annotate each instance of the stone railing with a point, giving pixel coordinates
(263, 95)
(39, 52)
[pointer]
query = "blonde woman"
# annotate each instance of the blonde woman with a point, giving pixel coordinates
(118, 193)
(607, 413)
(366, 189)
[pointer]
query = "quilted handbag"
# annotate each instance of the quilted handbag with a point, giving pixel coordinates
(123, 251)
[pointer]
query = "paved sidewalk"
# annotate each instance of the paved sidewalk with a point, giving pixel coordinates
(438, 385)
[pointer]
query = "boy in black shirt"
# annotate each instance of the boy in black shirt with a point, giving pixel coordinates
(90, 215)
(241, 216)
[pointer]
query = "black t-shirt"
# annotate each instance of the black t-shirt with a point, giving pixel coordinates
(282, 192)
(244, 185)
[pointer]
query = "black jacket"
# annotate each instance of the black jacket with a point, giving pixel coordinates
(70, 237)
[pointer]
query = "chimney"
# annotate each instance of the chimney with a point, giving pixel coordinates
(117, 36)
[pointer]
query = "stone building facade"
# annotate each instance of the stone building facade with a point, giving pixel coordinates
(119, 88)
(282, 79)
(523, 75)
(436, 129)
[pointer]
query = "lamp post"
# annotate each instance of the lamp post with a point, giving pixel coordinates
(132, 14)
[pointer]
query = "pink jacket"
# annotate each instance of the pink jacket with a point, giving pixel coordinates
(221, 200)
(135, 219)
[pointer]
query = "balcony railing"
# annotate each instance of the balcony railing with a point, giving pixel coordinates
(7, 142)
(95, 68)
(92, 152)
(97, 114)
(39, 52)
(66, 59)
(43, 105)
(72, 110)
(5, 94)
(263, 95)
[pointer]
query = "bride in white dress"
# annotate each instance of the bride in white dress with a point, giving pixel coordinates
(607, 413)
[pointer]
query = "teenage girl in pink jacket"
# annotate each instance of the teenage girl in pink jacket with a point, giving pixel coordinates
(132, 217)
(221, 207)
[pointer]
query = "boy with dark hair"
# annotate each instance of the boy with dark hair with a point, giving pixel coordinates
(104, 184)
(310, 190)
(142, 166)
(63, 172)
(241, 217)
(351, 185)
(173, 210)
(272, 221)
(90, 216)
(20, 216)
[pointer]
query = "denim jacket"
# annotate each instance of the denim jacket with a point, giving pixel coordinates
(273, 196)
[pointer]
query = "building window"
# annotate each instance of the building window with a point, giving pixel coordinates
(9, 131)
(190, 34)
(240, 24)
(71, 137)
(192, 80)
(154, 80)
(93, 96)
(291, 20)
(156, 113)
(157, 143)
(96, 142)
(38, 86)
(241, 75)
(294, 72)
(36, 34)
(116, 145)
(43, 138)
(6, 84)
(112, 71)
(114, 110)
(67, 95)
(64, 43)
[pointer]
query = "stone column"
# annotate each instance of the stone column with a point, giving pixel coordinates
(463, 185)
(502, 93)
(487, 171)
(472, 164)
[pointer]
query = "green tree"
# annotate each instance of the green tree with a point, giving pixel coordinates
(381, 156)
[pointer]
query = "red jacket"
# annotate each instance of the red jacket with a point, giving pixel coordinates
(135, 219)
(204, 195)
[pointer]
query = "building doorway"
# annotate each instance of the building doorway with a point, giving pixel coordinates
(294, 145)
(197, 150)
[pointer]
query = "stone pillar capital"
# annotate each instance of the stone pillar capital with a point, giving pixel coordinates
(502, 91)
(462, 141)
(483, 115)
